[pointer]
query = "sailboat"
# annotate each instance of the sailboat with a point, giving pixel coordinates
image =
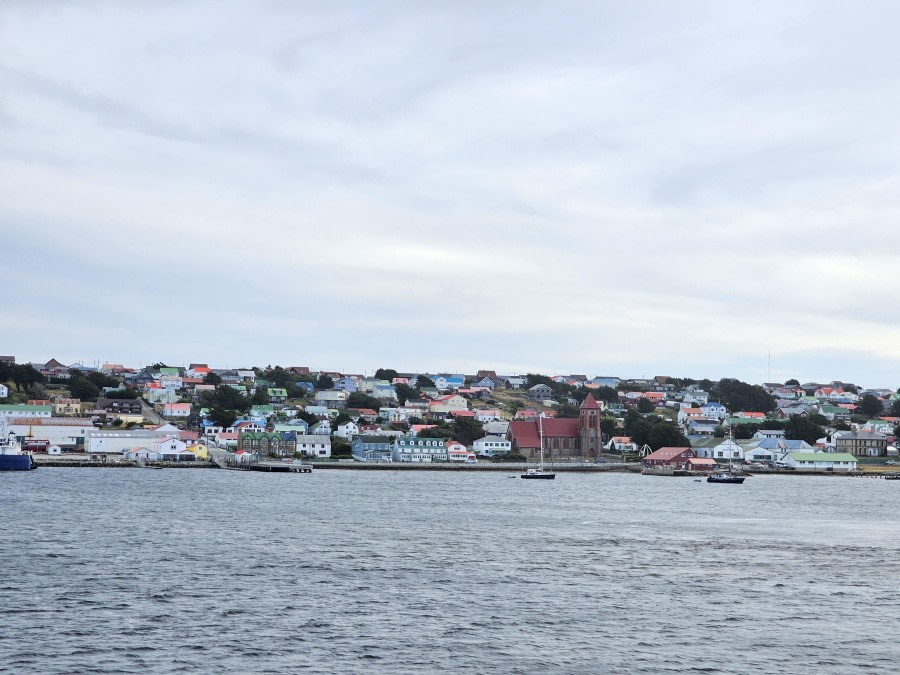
(539, 472)
(726, 475)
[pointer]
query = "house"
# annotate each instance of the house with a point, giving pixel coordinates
(347, 430)
(313, 445)
(411, 449)
(862, 444)
(675, 458)
(296, 426)
(694, 398)
(714, 410)
(348, 384)
(457, 452)
(119, 406)
(331, 398)
(718, 448)
(447, 404)
(268, 443)
(701, 427)
(496, 428)
(484, 383)
(322, 428)
(515, 382)
(488, 446)
(120, 441)
(701, 464)
(66, 406)
(176, 410)
(539, 393)
(4, 391)
(685, 414)
(277, 394)
(769, 433)
(487, 374)
(261, 413)
(488, 415)
(448, 382)
(385, 392)
(621, 444)
(820, 461)
(372, 448)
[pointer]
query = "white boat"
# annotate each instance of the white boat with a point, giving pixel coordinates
(539, 472)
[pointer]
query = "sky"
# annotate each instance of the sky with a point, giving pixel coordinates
(693, 189)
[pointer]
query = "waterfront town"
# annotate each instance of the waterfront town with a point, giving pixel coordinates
(163, 413)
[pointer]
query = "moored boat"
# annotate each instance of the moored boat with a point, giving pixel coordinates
(12, 457)
(724, 477)
(539, 473)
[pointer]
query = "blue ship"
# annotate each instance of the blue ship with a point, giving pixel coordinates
(12, 458)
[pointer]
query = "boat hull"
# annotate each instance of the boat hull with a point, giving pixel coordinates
(737, 480)
(17, 463)
(539, 476)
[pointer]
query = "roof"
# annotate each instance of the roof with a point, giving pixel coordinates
(823, 457)
(17, 407)
(589, 403)
(706, 461)
(384, 440)
(666, 453)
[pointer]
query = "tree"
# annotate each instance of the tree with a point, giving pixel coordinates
(737, 395)
(607, 394)
(467, 430)
(309, 418)
(341, 448)
(121, 394)
(212, 378)
(83, 388)
(405, 393)
(102, 380)
(230, 399)
(358, 399)
(645, 405)
(24, 375)
(653, 431)
(567, 411)
(437, 431)
(800, 428)
(386, 374)
(608, 426)
(871, 405)
(792, 382)
(222, 417)
(261, 397)
(324, 382)
(895, 408)
(342, 418)
(422, 381)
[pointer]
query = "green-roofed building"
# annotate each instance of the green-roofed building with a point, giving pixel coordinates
(263, 443)
(276, 394)
(820, 461)
(12, 410)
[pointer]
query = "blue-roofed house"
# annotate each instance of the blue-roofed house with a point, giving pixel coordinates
(347, 384)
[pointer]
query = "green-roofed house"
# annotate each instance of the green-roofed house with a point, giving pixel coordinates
(820, 461)
(264, 443)
(19, 411)
(262, 412)
(277, 395)
(835, 413)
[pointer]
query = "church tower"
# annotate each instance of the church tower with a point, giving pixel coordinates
(589, 427)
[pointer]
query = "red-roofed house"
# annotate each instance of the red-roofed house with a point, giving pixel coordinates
(676, 458)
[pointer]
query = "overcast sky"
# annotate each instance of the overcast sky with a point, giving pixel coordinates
(630, 189)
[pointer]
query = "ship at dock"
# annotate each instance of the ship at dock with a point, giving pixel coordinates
(12, 457)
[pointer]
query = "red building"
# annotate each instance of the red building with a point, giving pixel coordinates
(563, 436)
(675, 458)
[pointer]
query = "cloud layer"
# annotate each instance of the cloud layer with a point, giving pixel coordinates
(634, 189)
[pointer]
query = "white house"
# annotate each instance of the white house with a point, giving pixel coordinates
(4, 391)
(621, 444)
(769, 433)
(713, 410)
(449, 403)
(124, 441)
(411, 449)
(321, 429)
(347, 430)
(314, 445)
(488, 446)
(491, 415)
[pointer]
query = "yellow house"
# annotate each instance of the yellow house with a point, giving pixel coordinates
(199, 449)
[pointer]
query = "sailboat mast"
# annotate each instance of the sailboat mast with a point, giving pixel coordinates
(541, 436)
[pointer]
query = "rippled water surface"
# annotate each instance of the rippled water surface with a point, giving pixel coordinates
(108, 570)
